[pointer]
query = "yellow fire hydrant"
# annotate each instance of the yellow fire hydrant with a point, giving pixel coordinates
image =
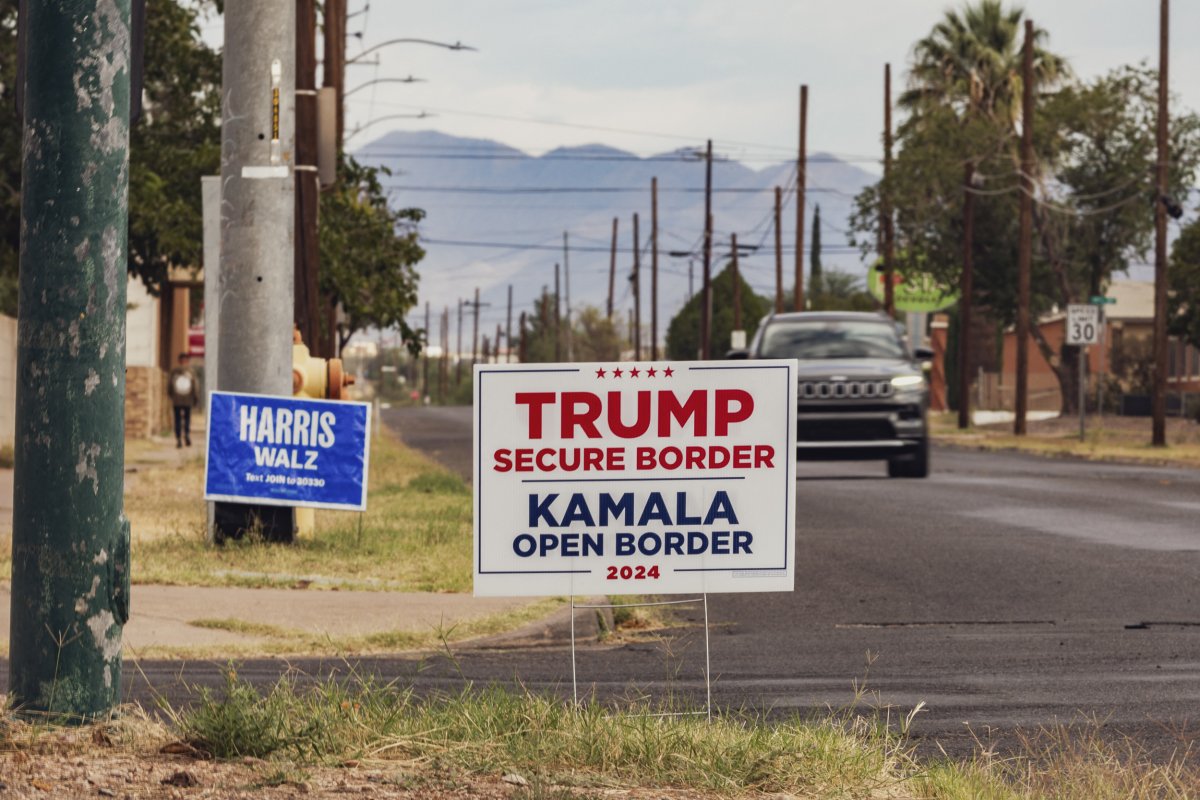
(320, 379)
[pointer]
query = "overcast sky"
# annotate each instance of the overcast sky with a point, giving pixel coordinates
(694, 69)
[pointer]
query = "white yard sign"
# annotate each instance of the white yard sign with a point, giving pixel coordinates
(1083, 324)
(635, 478)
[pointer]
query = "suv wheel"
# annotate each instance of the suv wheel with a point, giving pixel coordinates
(915, 465)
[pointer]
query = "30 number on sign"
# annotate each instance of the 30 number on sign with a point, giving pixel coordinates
(1083, 325)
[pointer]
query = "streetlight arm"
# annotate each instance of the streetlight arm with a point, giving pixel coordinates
(361, 128)
(430, 42)
(409, 79)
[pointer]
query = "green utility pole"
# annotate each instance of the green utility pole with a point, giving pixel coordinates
(70, 562)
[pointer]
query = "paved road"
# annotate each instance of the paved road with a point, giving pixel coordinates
(1005, 592)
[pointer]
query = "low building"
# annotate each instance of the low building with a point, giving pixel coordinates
(1125, 352)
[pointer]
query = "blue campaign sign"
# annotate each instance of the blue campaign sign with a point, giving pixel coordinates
(287, 451)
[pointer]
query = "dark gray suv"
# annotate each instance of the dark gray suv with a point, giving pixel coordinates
(862, 394)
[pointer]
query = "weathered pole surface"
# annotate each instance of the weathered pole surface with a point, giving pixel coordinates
(778, 251)
(801, 184)
(70, 541)
(308, 186)
(458, 347)
(966, 290)
(885, 200)
(1159, 405)
(1025, 243)
(258, 208)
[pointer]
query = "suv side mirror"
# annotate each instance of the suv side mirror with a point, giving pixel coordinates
(922, 354)
(740, 353)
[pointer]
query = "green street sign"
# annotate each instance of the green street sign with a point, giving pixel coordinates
(1101, 300)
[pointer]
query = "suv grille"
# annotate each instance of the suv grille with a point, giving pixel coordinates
(845, 390)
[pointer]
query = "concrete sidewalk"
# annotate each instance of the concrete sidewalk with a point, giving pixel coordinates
(163, 617)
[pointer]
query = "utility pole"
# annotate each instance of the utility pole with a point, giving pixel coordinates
(496, 351)
(258, 207)
(637, 293)
(706, 301)
(567, 288)
(70, 539)
(691, 277)
(458, 347)
(612, 269)
(885, 200)
(333, 76)
(654, 268)
(1159, 410)
(557, 318)
(475, 330)
(308, 188)
(778, 251)
(425, 353)
(964, 302)
(521, 350)
(801, 185)
(1025, 244)
(444, 368)
(508, 327)
(737, 285)
(334, 60)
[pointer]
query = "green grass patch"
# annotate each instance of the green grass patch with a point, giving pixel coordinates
(497, 731)
(416, 535)
(561, 750)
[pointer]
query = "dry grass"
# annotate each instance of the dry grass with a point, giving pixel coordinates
(383, 740)
(1117, 439)
(279, 641)
(416, 535)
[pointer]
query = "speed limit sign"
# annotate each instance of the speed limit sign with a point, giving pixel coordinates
(1083, 324)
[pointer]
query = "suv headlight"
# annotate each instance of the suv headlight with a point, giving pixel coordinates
(907, 383)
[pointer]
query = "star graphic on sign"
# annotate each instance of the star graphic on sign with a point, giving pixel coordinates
(600, 373)
(650, 373)
(633, 373)
(617, 373)
(668, 372)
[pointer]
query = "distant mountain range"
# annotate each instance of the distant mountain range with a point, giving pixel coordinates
(496, 216)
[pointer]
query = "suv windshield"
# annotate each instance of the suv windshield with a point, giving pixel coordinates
(809, 339)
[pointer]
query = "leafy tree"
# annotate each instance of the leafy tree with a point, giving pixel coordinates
(683, 332)
(1093, 177)
(368, 254)
(1185, 285)
(842, 291)
(594, 337)
(10, 159)
(542, 332)
(176, 141)
(970, 63)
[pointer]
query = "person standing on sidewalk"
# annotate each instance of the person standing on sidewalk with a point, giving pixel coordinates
(185, 395)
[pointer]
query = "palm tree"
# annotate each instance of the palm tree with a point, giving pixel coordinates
(971, 62)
